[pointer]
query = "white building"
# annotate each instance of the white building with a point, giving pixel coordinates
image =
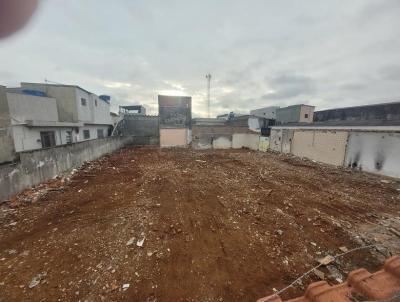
(36, 116)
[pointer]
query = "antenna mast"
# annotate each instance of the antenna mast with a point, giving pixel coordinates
(208, 77)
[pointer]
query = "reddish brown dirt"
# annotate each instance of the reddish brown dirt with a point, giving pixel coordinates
(210, 220)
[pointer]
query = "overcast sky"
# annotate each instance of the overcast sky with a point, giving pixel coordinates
(259, 52)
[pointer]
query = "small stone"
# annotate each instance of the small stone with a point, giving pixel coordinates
(343, 249)
(279, 232)
(131, 241)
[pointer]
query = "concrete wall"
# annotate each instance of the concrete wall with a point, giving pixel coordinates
(207, 136)
(289, 114)
(287, 138)
(323, 146)
(41, 165)
(66, 99)
(306, 114)
(7, 152)
(221, 143)
(374, 152)
(275, 143)
(264, 144)
(27, 107)
(267, 112)
(295, 114)
(173, 137)
(245, 140)
(144, 129)
(69, 104)
(281, 140)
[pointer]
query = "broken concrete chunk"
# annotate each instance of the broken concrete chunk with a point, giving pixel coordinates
(326, 260)
(36, 280)
(319, 274)
(140, 242)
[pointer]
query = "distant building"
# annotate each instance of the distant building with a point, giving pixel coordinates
(229, 115)
(133, 109)
(266, 112)
(373, 115)
(36, 116)
(175, 114)
(295, 114)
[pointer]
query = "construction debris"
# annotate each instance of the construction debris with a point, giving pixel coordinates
(242, 224)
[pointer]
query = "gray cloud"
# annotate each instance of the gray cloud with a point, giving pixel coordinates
(260, 53)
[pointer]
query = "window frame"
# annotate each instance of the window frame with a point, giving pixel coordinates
(86, 131)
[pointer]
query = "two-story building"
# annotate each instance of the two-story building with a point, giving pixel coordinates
(36, 116)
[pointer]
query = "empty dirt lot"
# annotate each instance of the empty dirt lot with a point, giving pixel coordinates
(212, 225)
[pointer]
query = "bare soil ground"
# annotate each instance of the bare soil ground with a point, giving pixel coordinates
(217, 226)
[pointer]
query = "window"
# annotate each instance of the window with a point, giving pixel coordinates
(95, 103)
(69, 137)
(86, 134)
(100, 133)
(48, 139)
(306, 115)
(83, 102)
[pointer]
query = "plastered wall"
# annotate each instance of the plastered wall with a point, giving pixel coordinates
(41, 165)
(320, 145)
(173, 137)
(245, 140)
(374, 152)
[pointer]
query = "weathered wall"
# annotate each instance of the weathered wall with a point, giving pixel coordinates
(7, 153)
(66, 97)
(289, 114)
(281, 140)
(222, 143)
(245, 140)
(374, 152)
(275, 143)
(264, 144)
(175, 111)
(41, 165)
(207, 137)
(173, 137)
(28, 107)
(145, 129)
(266, 112)
(287, 138)
(323, 146)
(306, 114)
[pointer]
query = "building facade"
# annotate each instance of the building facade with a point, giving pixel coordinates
(175, 114)
(38, 116)
(295, 114)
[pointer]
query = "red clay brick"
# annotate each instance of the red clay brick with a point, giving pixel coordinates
(383, 284)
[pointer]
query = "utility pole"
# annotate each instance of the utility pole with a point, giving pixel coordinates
(208, 77)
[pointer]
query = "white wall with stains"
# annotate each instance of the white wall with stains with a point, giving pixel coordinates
(376, 152)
